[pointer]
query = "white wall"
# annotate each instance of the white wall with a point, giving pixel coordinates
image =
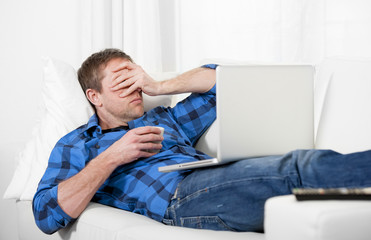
(28, 31)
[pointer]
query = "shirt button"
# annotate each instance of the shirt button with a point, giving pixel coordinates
(97, 146)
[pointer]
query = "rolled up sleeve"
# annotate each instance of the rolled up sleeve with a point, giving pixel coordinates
(49, 216)
(196, 113)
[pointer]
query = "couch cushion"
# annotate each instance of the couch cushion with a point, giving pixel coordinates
(27, 228)
(102, 222)
(286, 218)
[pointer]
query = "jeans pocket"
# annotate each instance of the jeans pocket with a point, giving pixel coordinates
(205, 222)
(169, 222)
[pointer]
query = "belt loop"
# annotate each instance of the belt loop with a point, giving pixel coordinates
(175, 194)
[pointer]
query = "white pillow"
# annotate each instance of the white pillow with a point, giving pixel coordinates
(343, 105)
(64, 109)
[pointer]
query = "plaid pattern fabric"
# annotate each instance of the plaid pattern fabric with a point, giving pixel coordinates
(137, 187)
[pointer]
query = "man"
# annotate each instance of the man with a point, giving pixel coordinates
(112, 159)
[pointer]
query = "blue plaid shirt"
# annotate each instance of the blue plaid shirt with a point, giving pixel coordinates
(137, 187)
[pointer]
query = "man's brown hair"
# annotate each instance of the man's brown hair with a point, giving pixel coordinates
(90, 72)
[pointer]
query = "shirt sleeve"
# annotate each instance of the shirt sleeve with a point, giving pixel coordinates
(196, 113)
(49, 216)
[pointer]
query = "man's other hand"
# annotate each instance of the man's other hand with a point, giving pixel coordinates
(137, 143)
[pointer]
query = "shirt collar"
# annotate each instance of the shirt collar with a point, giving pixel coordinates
(92, 126)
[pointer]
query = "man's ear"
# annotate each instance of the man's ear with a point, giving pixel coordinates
(93, 96)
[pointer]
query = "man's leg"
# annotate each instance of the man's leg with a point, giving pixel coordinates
(232, 196)
(328, 169)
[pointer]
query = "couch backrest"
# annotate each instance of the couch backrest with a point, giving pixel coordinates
(343, 105)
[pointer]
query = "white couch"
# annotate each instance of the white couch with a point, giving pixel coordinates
(343, 121)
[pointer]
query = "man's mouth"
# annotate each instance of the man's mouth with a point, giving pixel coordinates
(136, 100)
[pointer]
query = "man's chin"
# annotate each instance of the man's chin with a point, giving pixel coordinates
(140, 112)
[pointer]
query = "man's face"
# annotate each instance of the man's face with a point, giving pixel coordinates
(113, 106)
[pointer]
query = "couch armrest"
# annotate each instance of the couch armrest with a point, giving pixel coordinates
(8, 162)
(103, 222)
(286, 218)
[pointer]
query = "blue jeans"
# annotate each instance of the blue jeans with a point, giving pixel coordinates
(232, 196)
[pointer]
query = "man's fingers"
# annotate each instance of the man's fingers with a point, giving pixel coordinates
(124, 79)
(120, 77)
(151, 146)
(125, 65)
(146, 130)
(151, 137)
(148, 153)
(133, 87)
(123, 84)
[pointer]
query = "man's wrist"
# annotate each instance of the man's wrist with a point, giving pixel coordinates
(163, 87)
(106, 161)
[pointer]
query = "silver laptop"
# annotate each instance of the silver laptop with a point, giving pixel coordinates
(261, 110)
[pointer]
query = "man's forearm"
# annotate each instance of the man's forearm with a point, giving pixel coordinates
(75, 193)
(128, 77)
(198, 80)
